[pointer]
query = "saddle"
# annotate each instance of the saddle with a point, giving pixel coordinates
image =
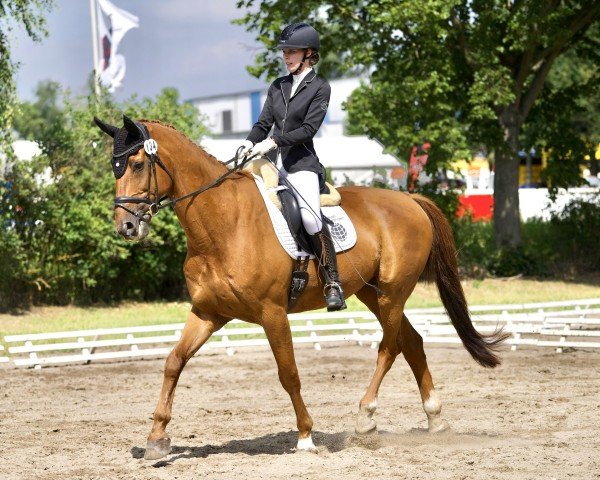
(286, 202)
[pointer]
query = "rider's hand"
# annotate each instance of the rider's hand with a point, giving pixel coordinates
(264, 147)
(245, 148)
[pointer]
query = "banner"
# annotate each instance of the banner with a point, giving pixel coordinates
(113, 24)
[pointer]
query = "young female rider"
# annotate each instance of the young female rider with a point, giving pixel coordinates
(296, 106)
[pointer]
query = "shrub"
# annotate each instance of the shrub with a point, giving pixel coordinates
(567, 244)
(58, 243)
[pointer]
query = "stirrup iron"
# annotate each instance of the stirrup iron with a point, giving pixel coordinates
(334, 297)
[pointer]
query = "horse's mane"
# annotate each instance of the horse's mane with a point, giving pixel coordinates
(204, 152)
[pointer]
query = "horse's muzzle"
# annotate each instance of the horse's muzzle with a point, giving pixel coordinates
(131, 227)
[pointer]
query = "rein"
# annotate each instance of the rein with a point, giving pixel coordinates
(155, 205)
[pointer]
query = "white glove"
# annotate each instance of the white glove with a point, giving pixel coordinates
(246, 146)
(264, 147)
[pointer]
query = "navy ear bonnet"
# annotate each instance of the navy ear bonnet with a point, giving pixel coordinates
(127, 142)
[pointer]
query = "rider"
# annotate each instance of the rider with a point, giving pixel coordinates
(296, 106)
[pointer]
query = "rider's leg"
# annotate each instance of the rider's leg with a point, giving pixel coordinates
(306, 191)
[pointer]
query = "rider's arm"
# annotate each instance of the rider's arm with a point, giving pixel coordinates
(262, 127)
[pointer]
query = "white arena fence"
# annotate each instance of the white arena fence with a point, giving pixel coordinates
(560, 325)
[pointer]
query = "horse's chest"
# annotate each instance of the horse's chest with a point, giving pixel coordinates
(214, 287)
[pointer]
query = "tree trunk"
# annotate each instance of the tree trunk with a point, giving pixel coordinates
(507, 224)
(593, 162)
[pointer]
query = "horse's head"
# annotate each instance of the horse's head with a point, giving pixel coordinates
(140, 184)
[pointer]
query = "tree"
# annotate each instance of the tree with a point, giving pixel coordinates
(566, 119)
(28, 14)
(32, 120)
(57, 239)
(455, 73)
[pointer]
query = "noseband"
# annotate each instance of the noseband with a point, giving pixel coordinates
(155, 203)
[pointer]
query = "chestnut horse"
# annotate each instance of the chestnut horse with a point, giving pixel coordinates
(236, 268)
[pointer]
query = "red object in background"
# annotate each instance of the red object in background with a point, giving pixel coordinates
(480, 207)
(418, 159)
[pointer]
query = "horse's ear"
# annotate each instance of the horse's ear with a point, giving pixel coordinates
(105, 127)
(131, 127)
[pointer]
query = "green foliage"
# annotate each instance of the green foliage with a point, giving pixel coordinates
(509, 262)
(16, 13)
(569, 106)
(474, 242)
(576, 229)
(36, 120)
(57, 216)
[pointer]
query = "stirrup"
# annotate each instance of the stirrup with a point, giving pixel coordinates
(334, 297)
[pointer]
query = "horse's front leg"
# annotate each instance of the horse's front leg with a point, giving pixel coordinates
(197, 330)
(277, 330)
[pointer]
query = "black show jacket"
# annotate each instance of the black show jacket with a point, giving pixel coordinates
(295, 121)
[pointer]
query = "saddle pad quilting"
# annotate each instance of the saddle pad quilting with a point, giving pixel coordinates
(342, 230)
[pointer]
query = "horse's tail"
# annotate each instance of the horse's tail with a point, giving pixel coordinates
(442, 266)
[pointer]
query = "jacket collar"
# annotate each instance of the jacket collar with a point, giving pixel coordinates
(286, 84)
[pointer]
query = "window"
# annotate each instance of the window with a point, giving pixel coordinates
(227, 127)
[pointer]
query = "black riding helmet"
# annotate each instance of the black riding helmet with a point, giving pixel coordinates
(299, 35)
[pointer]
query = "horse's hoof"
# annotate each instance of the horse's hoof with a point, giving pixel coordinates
(158, 449)
(438, 425)
(365, 425)
(306, 445)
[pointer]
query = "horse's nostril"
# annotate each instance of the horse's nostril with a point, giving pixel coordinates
(128, 229)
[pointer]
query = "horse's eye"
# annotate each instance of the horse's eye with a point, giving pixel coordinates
(138, 166)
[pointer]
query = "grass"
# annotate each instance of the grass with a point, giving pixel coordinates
(478, 292)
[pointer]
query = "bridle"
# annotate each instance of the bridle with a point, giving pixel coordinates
(155, 204)
(151, 149)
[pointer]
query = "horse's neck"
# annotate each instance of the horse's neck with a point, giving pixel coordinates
(193, 168)
(211, 217)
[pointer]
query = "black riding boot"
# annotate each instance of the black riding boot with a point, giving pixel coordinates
(325, 253)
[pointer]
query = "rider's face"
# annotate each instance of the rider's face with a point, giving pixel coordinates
(292, 57)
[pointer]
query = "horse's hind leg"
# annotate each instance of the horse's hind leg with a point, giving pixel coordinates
(389, 316)
(277, 330)
(411, 344)
(196, 332)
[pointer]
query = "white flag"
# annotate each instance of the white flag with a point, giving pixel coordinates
(112, 65)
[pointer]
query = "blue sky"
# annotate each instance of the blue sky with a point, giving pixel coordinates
(186, 44)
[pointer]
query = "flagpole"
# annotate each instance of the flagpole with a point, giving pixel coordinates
(95, 45)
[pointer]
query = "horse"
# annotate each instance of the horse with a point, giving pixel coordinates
(236, 268)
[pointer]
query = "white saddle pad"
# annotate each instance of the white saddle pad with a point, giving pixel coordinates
(342, 230)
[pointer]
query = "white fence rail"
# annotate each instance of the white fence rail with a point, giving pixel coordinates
(555, 324)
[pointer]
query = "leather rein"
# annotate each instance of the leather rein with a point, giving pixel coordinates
(156, 204)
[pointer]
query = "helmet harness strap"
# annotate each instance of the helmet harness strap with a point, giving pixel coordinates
(306, 57)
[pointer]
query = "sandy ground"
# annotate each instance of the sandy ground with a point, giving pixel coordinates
(535, 417)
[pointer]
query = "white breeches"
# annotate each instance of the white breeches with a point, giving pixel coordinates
(308, 197)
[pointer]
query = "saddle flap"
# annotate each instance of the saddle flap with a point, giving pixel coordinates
(291, 212)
